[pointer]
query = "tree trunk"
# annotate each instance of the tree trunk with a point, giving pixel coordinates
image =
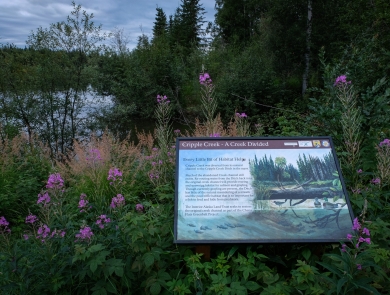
(307, 51)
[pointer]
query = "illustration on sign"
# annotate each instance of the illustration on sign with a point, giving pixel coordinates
(259, 190)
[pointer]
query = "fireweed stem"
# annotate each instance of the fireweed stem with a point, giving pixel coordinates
(350, 122)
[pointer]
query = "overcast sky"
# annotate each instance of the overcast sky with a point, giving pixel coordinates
(19, 17)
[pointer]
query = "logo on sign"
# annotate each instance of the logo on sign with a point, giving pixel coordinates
(305, 143)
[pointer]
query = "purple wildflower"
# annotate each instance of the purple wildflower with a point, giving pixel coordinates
(4, 224)
(349, 236)
(31, 219)
(356, 224)
(204, 79)
(359, 171)
(117, 201)
(45, 199)
(3, 221)
(386, 142)
(215, 135)
(83, 202)
(26, 237)
(366, 231)
(56, 233)
(139, 207)
(343, 248)
(154, 175)
(55, 181)
(85, 233)
(243, 115)
(341, 80)
(114, 174)
(43, 232)
(162, 99)
(376, 181)
(359, 266)
(102, 219)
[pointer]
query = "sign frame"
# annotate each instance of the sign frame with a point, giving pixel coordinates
(317, 219)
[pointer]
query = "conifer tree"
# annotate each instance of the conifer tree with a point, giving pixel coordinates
(160, 27)
(185, 27)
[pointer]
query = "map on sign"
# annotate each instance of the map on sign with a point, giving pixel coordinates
(259, 190)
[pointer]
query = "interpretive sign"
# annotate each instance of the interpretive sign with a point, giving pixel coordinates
(259, 190)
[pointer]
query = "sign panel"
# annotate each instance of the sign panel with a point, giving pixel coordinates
(259, 190)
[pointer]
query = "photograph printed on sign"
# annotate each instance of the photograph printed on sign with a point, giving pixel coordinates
(261, 194)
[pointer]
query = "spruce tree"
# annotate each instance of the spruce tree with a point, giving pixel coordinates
(185, 27)
(160, 27)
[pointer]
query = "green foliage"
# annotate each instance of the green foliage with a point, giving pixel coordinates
(256, 65)
(24, 166)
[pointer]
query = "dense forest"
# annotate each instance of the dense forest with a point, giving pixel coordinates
(275, 60)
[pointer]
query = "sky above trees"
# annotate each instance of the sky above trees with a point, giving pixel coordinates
(20, 17)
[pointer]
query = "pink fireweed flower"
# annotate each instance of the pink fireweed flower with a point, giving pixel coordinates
(386, 142)
(84, 234)
(162, 99)
(366, 232)
(154, 175)
(356, 224)
(343, 248)
(26, 237)
(349, 236)
(83, 202)
(204, 79)
(117, 201)
(376, 181)
(45, 199)
(367, 240)
(114, 174)
(3, 221)
(359, 171)
(31, 219)
(55, 181)
(43, 232)
(139, 207)
(243, 115)
(102, 219)
(4, 225)
(341, 80)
